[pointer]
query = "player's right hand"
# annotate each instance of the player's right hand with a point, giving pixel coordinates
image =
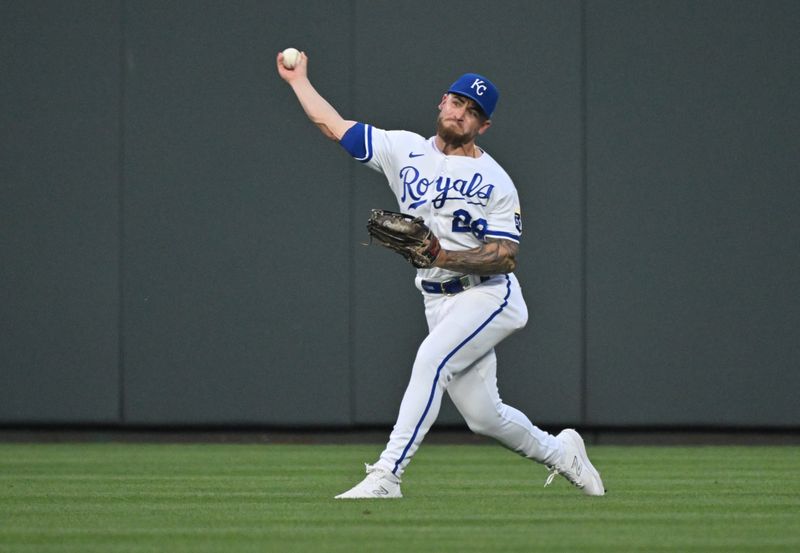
(297, 72)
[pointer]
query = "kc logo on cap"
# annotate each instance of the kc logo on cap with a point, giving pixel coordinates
(478, 88)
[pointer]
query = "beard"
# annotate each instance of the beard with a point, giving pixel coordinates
(451, 133)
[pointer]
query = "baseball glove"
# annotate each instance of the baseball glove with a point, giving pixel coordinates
(409, 236)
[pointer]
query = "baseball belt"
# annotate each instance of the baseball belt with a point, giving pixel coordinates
(454, 285)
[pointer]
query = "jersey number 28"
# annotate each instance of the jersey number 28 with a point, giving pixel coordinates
(463, 222)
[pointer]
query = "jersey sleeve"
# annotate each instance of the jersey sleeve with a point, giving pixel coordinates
(369, 145)
(505, 219)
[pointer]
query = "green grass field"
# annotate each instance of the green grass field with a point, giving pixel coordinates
(113, 497)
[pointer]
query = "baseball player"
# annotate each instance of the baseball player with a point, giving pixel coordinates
(472, 298)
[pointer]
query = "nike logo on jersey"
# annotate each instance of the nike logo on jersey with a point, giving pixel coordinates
(413, 155)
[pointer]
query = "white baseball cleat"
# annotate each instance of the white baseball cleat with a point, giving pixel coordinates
(379, 484)
(575, 466)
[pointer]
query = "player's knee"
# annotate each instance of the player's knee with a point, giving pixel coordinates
(484, 425)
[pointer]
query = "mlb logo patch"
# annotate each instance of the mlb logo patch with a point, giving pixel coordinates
(518, 221)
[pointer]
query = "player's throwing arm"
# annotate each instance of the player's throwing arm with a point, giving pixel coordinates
(295, 72)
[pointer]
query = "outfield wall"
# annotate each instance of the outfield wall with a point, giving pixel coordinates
(181, 247)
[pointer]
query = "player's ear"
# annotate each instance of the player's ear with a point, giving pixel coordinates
(444, 99)
(485, 126)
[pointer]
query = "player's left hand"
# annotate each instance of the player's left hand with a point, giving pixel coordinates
(409, 236)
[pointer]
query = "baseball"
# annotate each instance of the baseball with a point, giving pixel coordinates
(290, 57)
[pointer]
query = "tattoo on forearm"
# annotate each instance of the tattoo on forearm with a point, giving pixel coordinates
(494, 257)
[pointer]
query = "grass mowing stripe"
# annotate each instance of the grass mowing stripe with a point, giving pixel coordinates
(236, 498)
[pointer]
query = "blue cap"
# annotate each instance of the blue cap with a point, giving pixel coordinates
(478, 88)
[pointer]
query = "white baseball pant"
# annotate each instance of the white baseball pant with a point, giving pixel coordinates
(458, 356)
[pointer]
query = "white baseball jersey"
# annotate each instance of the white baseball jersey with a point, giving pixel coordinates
(463, 200)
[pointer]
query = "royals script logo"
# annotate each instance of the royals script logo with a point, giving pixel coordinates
(415, 189)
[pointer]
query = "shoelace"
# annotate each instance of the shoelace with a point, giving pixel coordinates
(380, 473)
(554, 471)
(551, 476)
